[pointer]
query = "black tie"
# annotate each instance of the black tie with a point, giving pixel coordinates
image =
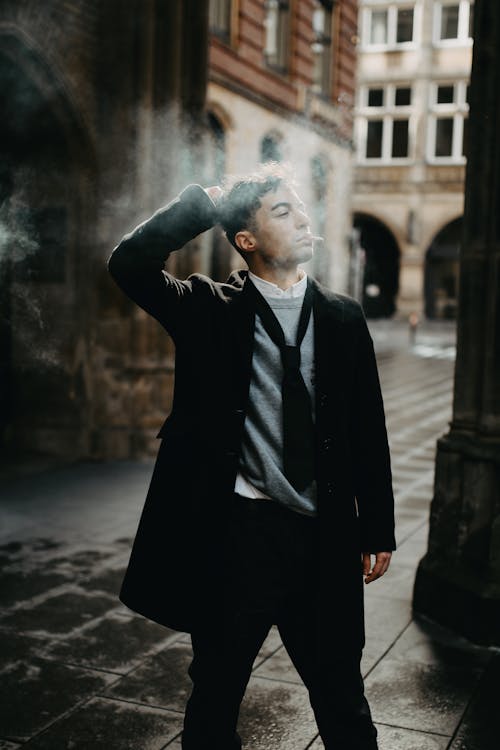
(298, 427)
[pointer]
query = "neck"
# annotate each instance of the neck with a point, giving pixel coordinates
(282, 277)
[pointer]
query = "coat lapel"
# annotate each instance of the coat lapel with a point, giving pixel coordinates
(328, 314)
(328, 340)
(242, 325)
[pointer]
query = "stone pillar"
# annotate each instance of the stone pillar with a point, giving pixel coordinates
(458, 580)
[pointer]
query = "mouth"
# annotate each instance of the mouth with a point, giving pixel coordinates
(305, 238)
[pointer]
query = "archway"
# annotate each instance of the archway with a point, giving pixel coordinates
(44, 315)
(442, 272)
(381, 266)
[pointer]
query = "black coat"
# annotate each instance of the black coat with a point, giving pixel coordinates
(175, 566)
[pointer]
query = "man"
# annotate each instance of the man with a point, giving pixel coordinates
(272, 487)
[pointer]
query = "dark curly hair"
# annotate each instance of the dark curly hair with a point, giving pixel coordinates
(241, 200)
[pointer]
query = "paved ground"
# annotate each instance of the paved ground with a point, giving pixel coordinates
(80, 671)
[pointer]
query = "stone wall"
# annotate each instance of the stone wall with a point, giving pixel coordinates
(89, 102)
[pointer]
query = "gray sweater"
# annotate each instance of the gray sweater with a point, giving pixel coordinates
(261, 460)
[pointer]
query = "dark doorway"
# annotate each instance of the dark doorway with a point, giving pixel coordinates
(442, 273)
(41, 395)
(381, 267)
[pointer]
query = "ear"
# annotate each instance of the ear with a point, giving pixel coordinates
(246, 241)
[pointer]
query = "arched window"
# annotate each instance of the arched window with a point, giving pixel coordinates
(271, 147)
(218, 148)
(218, 249)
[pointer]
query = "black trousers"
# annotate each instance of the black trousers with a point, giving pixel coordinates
(270, 580)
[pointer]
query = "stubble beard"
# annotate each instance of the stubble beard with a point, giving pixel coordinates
(291, 261)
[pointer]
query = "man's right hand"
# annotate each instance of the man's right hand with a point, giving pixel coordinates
(214, 192)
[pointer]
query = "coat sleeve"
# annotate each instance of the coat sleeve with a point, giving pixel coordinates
(373, 477)
(137, 262)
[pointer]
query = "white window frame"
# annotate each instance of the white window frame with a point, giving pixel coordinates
(392, 11)
(463, 39)
(457, 110)
(388, 113)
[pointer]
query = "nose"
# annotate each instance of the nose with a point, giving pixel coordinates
(301, 218)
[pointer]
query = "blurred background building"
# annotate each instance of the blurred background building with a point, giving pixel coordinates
(108, 110)
(281, 87)
(411, 128)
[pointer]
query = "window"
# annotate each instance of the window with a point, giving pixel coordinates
(404, 25)
(448, 122)
(219, 18)
(270, 147)
(400, 139)
(374, 139)
(449, 22)
(277, 26)
(453, 22)
(375, 97)
(322, 47)
(384, 123)
(378, 27)
(445, 94)
(402, 97)
(393, 26)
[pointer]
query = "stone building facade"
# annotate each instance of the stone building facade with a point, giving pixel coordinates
(106, 116)
(411, 126)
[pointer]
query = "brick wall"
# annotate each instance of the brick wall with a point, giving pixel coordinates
(241, 64)
(345, 62)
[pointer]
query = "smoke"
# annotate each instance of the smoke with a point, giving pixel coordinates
(24, 309)
(34, 343)
(147, 168)
(17, 242)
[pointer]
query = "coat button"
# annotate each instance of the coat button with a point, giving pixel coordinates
(330, 488)
(327, 443)
(323, 400)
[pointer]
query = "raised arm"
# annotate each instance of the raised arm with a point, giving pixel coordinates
(137, 262)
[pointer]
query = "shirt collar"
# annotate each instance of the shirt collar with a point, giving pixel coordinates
(269, 289)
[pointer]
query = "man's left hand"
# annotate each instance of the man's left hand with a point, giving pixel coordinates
(382, 562)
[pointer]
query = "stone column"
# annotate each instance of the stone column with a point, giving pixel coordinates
(458, 580)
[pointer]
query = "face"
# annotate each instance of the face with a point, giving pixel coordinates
(281, 236)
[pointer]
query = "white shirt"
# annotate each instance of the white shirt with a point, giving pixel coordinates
(269, 289)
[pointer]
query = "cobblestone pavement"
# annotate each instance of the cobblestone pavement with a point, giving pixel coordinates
(79, 670)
